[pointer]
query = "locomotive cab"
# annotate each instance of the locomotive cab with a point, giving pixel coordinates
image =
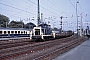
(43, 31)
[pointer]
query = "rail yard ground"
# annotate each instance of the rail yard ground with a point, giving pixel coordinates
(82, 52)
(24, 49)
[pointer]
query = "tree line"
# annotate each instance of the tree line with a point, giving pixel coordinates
(5, 22)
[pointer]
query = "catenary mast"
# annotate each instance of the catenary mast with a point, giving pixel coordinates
(38, 18)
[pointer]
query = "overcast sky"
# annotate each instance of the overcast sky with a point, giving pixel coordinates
(52, 10)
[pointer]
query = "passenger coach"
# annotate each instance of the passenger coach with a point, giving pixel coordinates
(14, 32)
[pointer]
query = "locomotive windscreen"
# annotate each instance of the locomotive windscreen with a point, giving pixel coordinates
(37, 31)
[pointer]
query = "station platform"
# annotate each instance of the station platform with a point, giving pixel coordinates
(81, 52)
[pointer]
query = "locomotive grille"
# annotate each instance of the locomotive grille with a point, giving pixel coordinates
(37, 31)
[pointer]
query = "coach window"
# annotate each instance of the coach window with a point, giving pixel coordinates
(4, 32)
(8, 32)
(24, 32)
(0, 32)
(15, 32)
(21, 32)
(12, 32)
(18, 32)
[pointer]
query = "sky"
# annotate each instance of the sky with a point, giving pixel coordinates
(26, 10)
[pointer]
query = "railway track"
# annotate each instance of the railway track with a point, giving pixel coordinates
(59, 50)
(13, 40)
(33, 49)
(14, 43)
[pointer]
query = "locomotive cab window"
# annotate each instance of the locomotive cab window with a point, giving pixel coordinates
(0, 32)
(43, 30)
(37, 31)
